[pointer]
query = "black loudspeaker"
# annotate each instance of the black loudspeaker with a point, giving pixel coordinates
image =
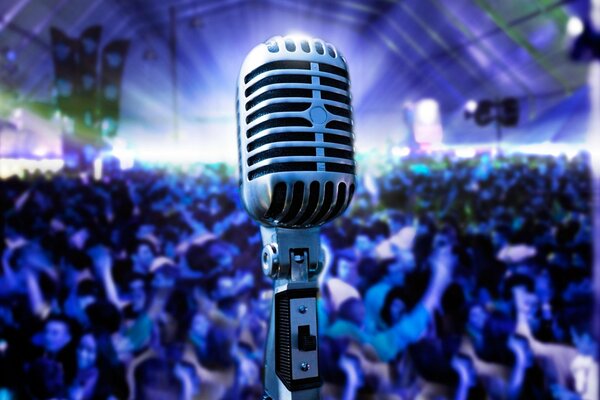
(66, 71)
(587, 45)
(85, 122)
(509, 112)
(113, 62)
(483, 114)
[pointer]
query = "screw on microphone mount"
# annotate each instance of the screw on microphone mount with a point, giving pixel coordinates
(270, 260)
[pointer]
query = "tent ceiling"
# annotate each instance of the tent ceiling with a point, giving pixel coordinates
(398, 50)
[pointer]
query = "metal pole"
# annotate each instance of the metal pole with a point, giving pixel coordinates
(174, 79)
(498, 136)
(497, 114)
(594, 142)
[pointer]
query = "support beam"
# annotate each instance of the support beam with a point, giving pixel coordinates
(174, 78)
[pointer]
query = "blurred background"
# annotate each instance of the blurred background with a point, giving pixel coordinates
(462, 270)
(178, 66)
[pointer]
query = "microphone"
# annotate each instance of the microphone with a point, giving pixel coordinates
(297, 172)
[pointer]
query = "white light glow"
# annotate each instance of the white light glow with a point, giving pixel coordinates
(575, 26)
(548, 149)
(168, 156)
(428, 112)
(298, 35)
(18, 166)
(40, 151)
(98, 168)
(427, 125)
(118, 143)
(465, 152)
(126, 157)
(398, 151)
(471, 106)
(121, 151)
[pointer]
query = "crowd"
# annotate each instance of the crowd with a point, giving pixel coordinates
(446, 279)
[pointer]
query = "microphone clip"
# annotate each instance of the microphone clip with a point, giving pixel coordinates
(292, 255)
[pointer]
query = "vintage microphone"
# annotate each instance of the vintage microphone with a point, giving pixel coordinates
(297, 172)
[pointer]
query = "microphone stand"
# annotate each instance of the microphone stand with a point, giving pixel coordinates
(293, 259)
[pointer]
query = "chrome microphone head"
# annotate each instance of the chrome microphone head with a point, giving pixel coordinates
(295, 138)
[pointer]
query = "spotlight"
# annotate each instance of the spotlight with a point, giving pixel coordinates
(575, 26)
(471, 106)
(586, 42)
(502, 112)
(484, 115)
(509, 112)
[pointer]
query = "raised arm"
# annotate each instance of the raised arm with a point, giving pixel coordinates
(442, 264)
(102, 262)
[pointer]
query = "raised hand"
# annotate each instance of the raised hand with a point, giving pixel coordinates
(443, 262)
(354, 376)
(101, 259)
(463, 366)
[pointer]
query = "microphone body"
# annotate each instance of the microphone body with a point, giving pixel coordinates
(297, 172)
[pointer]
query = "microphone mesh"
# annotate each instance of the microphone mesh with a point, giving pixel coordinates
(296, 118)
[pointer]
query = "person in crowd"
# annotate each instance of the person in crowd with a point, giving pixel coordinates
(449, 276)
(56, 342)
(45, 380)
(407, 326)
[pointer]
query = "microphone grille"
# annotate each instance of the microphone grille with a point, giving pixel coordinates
(295, 133)
(308, 205)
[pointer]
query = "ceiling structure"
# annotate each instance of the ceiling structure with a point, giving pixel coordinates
(398, 51)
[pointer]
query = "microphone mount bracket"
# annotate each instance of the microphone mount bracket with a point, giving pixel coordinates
(293, 259)
(291, 254)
